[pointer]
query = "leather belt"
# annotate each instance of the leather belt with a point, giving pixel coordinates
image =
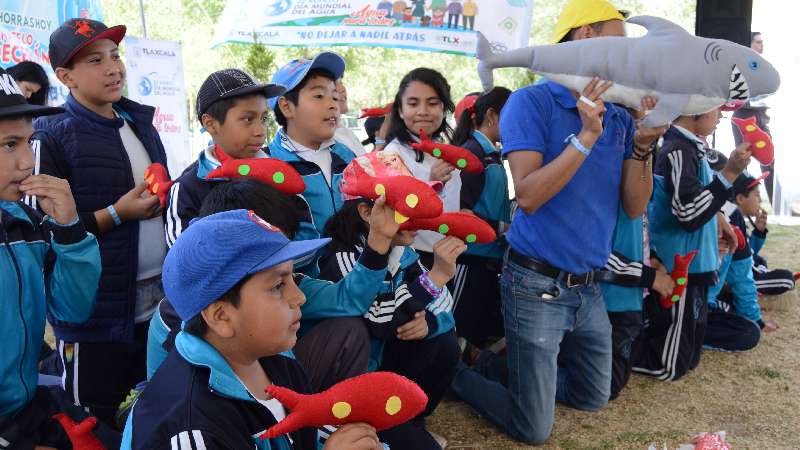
(571, 280)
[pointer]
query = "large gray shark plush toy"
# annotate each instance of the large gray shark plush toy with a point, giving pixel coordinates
(687, 74)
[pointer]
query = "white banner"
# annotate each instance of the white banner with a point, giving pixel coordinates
(155, 78)
(434, 25)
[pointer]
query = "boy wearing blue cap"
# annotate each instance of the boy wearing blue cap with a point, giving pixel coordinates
(307, 113)
(48, 266)
(209, 392)
(232, 107)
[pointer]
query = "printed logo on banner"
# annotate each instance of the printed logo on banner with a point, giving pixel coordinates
(145, 86)
(278, 7)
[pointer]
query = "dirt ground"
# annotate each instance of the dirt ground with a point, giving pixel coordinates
(754, 396)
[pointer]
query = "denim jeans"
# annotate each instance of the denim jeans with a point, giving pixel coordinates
(542, 318)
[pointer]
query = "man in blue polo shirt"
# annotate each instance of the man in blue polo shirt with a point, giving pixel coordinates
(573, 160)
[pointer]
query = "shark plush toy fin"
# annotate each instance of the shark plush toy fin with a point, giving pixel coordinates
(686, 74)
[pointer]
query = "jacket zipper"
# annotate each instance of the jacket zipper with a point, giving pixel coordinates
(21, 315)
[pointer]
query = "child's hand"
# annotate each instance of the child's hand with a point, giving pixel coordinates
(727, 234)
(761, 220)
(53, 195)
(382, 226)
(415, 329)
(445, 253)
(770, 326)
(663, 284)
(132, 206)
(737, 162)
(441, 171)
(353, 436)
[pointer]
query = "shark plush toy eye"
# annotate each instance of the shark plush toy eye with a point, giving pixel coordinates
(686, 74)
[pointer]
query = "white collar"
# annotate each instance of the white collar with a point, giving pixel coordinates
(701, 145)
(297, 147)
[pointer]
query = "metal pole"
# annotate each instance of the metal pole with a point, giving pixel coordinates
(141, 13)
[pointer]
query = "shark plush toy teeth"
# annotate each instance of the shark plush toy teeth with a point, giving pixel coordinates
(687, 74)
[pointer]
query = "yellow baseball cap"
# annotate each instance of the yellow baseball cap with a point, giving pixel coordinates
(578, 13)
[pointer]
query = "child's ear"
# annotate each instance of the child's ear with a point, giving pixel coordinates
(364, 210)
(740, 199)
(287, 108)
(210, 124)
(65, 77)
(218, 319)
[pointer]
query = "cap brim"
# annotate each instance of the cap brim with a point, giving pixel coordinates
(269, 90)
(290, 251)
(115, 33)
(759, 179)
(26, 109)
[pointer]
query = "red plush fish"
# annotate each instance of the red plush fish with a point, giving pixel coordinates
(406, 195)
(680, 274)
(158, 182)
(467, 227)
(459, 157)
(80, 434)
(760, 142)
(379, 111)
(381, 399)
(272, 171)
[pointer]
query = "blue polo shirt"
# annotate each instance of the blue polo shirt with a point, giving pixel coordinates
(573, 230)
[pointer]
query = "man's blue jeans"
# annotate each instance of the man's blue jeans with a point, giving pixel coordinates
(542, 319)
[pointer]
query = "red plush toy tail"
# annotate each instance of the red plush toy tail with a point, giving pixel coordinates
(290, 399)
(80, 434)
(423, 136)
(158, 182)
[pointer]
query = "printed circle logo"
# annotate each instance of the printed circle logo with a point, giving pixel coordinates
(145, 86)
(278, 7)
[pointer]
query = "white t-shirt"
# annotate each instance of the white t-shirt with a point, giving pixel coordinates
(152, 248)
(321, 157)
(345, 136)
(450, 195)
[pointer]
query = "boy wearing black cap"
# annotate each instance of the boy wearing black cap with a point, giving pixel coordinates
(232, 107)
(48, 265)
(209, 392)
(102, 144)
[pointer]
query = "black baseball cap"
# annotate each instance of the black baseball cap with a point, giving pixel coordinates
(13, 103)
(745, 182)
(228, 83)
(75, 34)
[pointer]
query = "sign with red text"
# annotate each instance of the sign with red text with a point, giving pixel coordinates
(25, 28)
(155, 78)
(448, 26)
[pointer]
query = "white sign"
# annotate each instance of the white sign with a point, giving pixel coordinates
(155, 78)
(435, 25)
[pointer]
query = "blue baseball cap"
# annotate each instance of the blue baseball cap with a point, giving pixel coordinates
(290, 75)
(218, 251)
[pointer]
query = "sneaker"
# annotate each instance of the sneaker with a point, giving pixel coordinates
(125, 407)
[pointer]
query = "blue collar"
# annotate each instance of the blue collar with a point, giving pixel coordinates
(562, 95)
(198, 352)
(487, 145)
(14, 209)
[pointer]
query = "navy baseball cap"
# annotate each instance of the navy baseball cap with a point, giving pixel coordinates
(290, 75)
(218, 251)
(229, 83)
(75, 34)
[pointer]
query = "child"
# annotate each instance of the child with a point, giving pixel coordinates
(232, 107)
(477, 289)
(48, 266)
(410, 320)
(229, 278)
(307, 113)
(422, 102)
(333, 345)
(101, 145)
(686, 200)
(32, 80)
(748, 199)
(623, 292)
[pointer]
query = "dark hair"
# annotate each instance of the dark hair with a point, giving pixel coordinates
(293, 96)
(30, 71)
(270, 204)
(346, 228)
(434, 79)
(219, 109)
(371, 126)
(495, 99)
(198, 326)
(597, 26)
(753, 35)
